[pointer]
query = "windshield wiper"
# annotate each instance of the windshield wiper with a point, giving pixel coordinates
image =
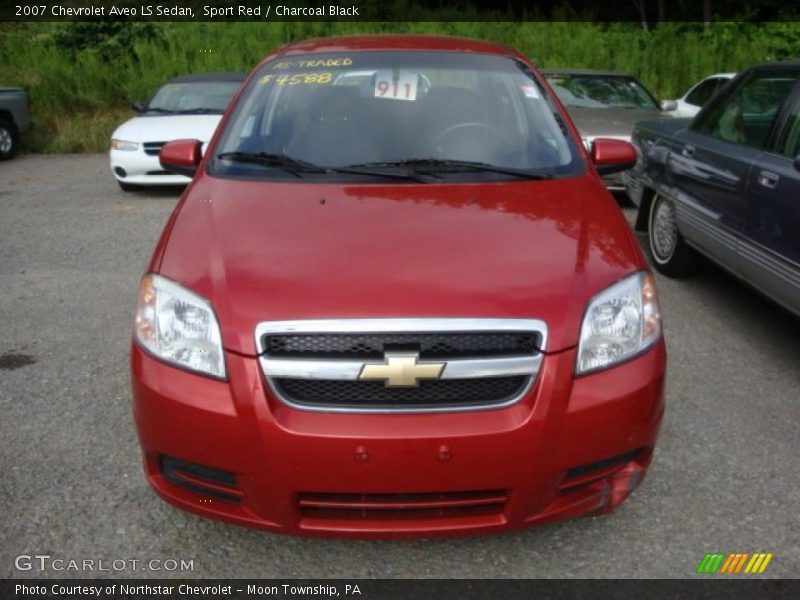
(297, 166)
(376, 170)
(199, 111)
(293, 165)
(432, 165)
(159, 110)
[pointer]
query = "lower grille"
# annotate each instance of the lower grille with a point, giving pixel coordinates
(402, 506)
(374, 394)
(152, 148)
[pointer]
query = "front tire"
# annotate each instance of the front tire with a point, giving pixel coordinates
(671, 255)
(9, 138)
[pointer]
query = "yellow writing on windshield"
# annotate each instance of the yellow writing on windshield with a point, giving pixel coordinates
(320, 78)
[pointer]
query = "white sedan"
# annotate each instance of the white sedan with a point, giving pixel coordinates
(700, 93)
(189, 106)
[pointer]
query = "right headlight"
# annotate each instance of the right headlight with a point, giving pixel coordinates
(620, 322)
(178, 326)
(124, 145)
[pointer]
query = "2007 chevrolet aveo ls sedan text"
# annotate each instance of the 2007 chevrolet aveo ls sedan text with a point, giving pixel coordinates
(397, 300)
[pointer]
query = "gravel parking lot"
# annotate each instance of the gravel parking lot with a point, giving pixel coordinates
(72, 250)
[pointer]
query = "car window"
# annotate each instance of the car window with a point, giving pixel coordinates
(789, 142)
(339, 111)
(213, 96)
(703, 92)
(601, 91)
(746, 116)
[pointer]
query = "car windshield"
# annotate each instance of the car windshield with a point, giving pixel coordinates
(418, 116)
(601, 91)
(194, 96)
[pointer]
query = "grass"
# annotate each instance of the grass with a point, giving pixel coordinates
(79, 96)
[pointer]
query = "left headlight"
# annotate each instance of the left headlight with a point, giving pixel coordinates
(124, 145)
(620, 322)
(178, 326)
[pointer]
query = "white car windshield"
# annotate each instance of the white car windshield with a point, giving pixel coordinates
(193, 97)
(449, 114)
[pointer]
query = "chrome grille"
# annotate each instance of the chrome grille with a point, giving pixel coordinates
(320, 364)
(152, 148)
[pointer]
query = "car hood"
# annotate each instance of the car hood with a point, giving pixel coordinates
(164, 128)
(282, 251)
(614, 123)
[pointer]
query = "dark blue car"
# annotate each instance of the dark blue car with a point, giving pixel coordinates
(727, 184)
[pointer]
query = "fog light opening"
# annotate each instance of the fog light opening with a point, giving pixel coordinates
(200, 479)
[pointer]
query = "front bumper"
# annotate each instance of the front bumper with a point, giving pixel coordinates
(614, 182)
(141, 169)
(633, 187)
(392, 475)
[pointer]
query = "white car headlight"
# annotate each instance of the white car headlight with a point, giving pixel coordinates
(124, 145)
(178, 326)
(620, 322)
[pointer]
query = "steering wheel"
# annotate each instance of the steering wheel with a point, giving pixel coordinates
(500, 139)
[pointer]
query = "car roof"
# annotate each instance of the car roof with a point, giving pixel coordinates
(778, 65)
(395, 42)
(224, 76)
(546, 72)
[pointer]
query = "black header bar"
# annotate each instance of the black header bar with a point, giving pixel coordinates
(640, 11)
(731, 588)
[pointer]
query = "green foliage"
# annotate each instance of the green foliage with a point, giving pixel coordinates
(110, 40)
(81, 77)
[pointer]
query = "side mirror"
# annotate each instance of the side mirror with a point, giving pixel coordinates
(612, 156)
(138, 107)
(669, 105)
(797, 162)
(181, 156)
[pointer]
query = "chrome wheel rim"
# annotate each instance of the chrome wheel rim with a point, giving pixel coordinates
(5, 140)
(663, 230)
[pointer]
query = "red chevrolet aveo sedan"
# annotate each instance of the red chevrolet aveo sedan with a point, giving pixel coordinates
(397, 300)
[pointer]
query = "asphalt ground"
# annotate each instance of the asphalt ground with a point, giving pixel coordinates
(72, 249)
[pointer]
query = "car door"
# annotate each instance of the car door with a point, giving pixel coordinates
(770, 248)
(711, 163)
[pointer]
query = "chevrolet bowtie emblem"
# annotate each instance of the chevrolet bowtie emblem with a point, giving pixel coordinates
(401, 369)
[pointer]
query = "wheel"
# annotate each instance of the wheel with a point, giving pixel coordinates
(9, 138)
(460, 141)
(127, 187)
(671, 255)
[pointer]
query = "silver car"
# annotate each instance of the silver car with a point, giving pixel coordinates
(606, 104)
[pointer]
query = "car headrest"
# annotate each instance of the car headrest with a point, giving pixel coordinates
(336, 104)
